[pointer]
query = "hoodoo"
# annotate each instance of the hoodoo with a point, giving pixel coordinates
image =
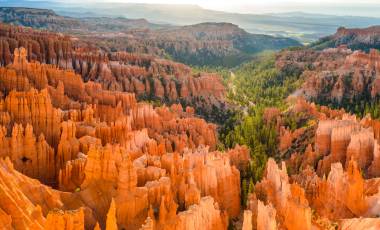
(102, 127)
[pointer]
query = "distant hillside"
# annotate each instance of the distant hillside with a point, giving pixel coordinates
(221, 44)
(302, 26)
(48, 19)
(218, 44)
(38, 18)
(363, 39)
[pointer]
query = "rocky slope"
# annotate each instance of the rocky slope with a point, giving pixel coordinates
(326, 175)
(150, 78)
(221, 44)
(335, 75)
(201, 44)
(49, 20)
(103, 160)
(334, 182)
(355, 38)
(80, 149)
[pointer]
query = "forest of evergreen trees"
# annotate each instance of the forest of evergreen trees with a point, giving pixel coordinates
(253, 87)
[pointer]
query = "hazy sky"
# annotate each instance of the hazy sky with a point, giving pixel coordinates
(340, 7)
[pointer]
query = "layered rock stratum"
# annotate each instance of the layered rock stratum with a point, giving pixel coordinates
(75, 156)
(148, 77)
(354, 38)
(334, 75)
(79, 151)
(219, 44)
(333, 182)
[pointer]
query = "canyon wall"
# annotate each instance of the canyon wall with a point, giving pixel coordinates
(335, 75)
(78, 156)
(328, 177)
(149, 77)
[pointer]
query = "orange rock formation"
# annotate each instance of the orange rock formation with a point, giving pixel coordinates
(102, 160)
(333, 180)
(146, 76)
(345, 73)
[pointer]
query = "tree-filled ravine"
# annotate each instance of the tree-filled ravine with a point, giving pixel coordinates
(253, 87)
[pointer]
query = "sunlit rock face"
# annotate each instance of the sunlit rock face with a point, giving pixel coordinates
(283, 200)
(355, 38)
(335, 75)
(332, 182)
(344, 194)
(78, 151)
(148, 77)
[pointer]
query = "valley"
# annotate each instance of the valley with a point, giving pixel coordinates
(305, 27)
(204, 44)
(116, 123)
